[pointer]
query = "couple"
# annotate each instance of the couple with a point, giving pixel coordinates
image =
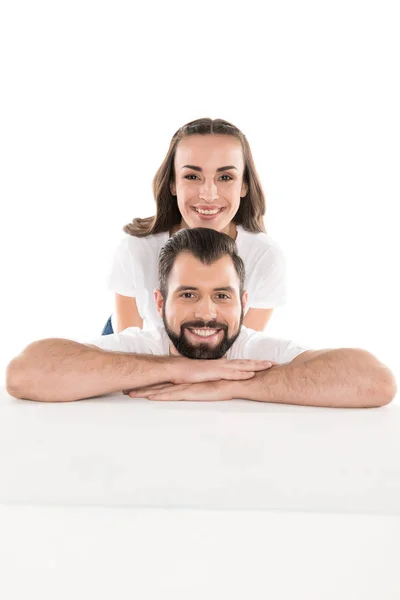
(202, 351)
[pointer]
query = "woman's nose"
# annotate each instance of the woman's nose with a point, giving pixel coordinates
(209, 191)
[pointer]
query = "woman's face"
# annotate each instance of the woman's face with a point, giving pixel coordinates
(208, 180)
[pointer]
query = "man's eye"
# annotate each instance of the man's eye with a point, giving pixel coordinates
(186, 294)
(223, 296)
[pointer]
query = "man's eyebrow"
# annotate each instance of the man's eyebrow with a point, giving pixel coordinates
(200, 169)
(227, 288)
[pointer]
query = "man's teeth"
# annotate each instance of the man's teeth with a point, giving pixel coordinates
(208, 212)
(204, 332)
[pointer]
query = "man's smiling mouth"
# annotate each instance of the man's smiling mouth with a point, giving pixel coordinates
(204, 333)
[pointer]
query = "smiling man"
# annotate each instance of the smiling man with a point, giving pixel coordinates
(203, 352)
(201, 296)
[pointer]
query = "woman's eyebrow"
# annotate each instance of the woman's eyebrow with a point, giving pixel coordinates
(200, 169)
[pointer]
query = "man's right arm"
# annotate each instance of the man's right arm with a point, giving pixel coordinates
(59, 370)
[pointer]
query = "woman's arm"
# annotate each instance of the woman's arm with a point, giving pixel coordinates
(127, 313)
(257, 318)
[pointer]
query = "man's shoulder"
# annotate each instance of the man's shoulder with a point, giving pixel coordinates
(134, 339)
(257, 345)
(155, 335)
(245, 337)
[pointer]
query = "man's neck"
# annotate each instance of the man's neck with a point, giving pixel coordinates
(173, 351)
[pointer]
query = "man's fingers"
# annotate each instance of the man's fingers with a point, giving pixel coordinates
(235, 375)
(250, 365)
(146, 388)
(145, 391)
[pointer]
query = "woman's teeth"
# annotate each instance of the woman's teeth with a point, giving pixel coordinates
(208, 212)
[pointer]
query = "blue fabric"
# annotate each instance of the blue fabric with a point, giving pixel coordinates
(107, 330)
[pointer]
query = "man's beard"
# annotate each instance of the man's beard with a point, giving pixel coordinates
(202, 351)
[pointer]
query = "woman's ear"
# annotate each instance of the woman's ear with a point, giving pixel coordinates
(244, 190)
(172, 188)
(159, 300)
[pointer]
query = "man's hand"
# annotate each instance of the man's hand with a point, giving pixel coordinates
(197, 371)
(207, 391)
(206, 371)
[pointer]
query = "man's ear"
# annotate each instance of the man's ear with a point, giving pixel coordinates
(159, 300)
(245, 299)
(172, 188)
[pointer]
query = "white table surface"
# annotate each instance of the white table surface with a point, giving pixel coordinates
(195, 500)
(118, 451)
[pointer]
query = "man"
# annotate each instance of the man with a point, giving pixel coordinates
(203, 353)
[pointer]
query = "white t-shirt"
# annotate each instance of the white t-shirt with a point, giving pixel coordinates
(250, 344)
(134, 271)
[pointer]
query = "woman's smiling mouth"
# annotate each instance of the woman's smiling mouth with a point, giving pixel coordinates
(207, 213)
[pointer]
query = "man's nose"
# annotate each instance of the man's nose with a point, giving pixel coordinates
(209, 191)
(205, 310)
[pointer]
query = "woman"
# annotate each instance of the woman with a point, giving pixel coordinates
(207, 179)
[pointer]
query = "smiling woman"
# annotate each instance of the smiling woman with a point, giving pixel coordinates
(207, 179)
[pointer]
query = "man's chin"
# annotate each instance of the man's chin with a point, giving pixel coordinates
(200, 352)
(212, 348)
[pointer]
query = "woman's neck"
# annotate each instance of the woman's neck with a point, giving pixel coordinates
(230, 229)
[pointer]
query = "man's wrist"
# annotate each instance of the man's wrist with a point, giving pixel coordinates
(232, 387)
(175, 366)
(254, 388)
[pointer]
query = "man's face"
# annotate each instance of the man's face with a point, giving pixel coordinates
(203, 311)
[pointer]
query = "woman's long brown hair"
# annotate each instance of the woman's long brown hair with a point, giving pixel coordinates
(251, 210)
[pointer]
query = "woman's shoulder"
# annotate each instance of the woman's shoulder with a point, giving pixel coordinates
(256, 242)
(142, 245)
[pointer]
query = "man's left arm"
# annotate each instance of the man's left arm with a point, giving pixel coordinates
(342, 378)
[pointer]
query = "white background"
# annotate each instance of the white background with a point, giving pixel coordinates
(91, 93)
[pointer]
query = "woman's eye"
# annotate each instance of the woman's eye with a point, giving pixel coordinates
(192, 177)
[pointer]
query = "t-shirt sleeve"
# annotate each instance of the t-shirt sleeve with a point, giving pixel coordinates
(121, 279)
(270, 274)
